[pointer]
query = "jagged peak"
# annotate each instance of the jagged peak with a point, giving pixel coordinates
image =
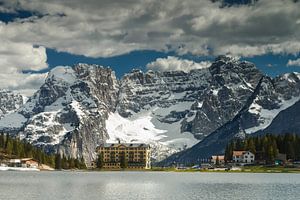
(62, 74)
(69, 74)
(88, 66)
(290, 77)
(227, 58)
(232, 63)
(136, 71)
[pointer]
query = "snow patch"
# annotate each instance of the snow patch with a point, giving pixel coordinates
(63, 74)
(12, 120)
(145, 127)
(200, 104)
(77, 107)
(266, 116)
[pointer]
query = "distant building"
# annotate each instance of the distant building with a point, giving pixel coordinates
(218, 158)
(23, 162)
(136, 156)
(29, 163)
(244, 157)
(14, 163)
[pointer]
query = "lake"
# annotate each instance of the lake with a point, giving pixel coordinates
(147, 185)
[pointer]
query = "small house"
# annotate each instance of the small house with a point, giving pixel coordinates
(243, 157)
(218, 160)
(14, 163)
(29, 163)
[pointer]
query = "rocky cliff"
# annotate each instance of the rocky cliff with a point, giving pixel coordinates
(79, 107)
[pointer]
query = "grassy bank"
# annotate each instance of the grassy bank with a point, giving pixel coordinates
(248, 169)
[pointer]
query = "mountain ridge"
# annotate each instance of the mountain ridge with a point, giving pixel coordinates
(80, 107)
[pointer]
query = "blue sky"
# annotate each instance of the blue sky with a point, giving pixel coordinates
(125, 34)
(270, 64)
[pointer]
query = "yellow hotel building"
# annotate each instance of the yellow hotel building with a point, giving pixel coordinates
(137, 156)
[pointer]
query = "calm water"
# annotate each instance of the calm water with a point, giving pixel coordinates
(147, 185)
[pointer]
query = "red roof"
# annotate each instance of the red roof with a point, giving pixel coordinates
(219, 157)
(238, 153)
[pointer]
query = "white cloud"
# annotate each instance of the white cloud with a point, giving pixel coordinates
(172, 63)
(16, 58)
(106, 28)
(21, 56)
(25, 84)
(293, 63)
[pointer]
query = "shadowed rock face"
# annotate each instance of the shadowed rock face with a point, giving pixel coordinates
(68, 114)
(287, 121)
(9, 102)
(221, 90)
(276, 98)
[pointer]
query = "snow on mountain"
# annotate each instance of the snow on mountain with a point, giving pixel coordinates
(145, 127)
(67, 114)
(80, 107)
(272, 108)
(275, 95)
(266, 116)
(12, 121)
(9, 102)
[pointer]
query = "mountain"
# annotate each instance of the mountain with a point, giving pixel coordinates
(9, 102)
(287, 121)
(80, 107)
(272, 108)
(67, 114)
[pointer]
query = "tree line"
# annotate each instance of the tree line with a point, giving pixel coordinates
(267, 147)
(15, 148)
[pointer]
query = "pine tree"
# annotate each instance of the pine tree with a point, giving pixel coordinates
(77, 164)
(2, 140)
(7, 138)
(71, 163)
(16, 150)
(228, 151)
(64, 162)
(58, 161)
(217, 161)
(9, 146)
(82, 163)
(251, 146)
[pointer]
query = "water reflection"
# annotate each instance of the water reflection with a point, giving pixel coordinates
(147, 185)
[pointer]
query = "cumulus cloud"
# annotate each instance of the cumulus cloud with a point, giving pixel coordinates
(15, 58)
(106, 28)
(172, 63)
(25, 84)
(103, 28)
(293, 63)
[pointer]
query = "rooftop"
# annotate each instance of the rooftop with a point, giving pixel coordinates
(219, 157)
(238, 153)
(125, 145)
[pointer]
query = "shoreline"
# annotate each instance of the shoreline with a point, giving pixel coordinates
(255, 169)
(248, 169)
